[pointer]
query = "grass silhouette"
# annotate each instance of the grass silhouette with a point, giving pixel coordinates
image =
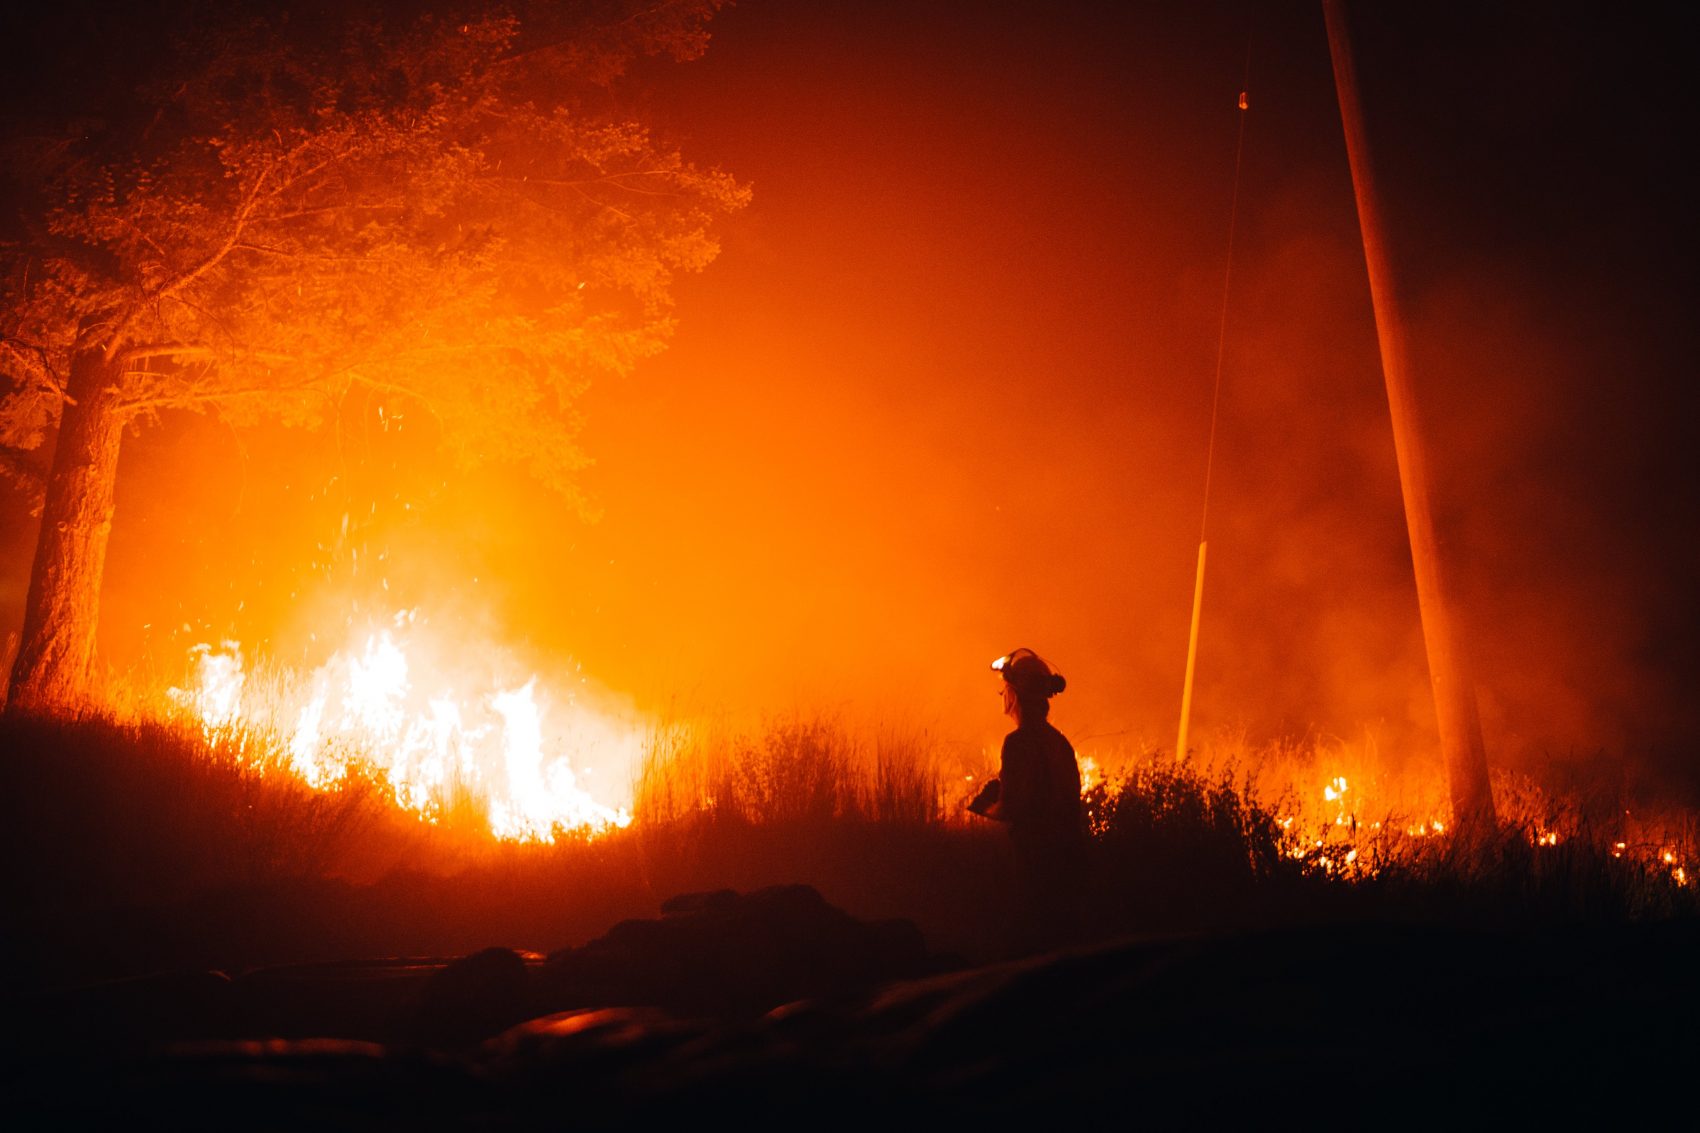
(135, 845)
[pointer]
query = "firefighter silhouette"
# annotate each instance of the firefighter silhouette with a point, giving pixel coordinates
(1037, 795)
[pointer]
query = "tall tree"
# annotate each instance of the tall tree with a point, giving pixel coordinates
(441, 213)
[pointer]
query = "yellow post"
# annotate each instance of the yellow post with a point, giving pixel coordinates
(1191, 655)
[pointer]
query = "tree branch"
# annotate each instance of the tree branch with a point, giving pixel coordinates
(303, 213)
(185, 352)
(238, 226)
(607, 179)
(213, 397)
(261, 249)
(37, 367)
(166, 291)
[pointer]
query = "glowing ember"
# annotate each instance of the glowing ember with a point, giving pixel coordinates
(430, 735)
(1343, 809)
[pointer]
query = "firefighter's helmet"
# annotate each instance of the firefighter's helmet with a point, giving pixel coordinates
(1026, 672)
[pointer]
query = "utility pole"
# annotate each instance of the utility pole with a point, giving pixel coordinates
(1448, 662)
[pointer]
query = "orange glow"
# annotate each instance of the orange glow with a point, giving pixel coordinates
(1348, 809)
(432, 731)
(946, 387)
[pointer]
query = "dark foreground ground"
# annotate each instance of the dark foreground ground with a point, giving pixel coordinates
(775, 1007)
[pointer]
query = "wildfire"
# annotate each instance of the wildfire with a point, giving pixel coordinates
(430, 733)
(1346, 810)
(1678, 873)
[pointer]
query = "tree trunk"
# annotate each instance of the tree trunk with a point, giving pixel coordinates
(63, 606)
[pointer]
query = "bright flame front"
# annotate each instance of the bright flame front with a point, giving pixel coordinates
(432, 733)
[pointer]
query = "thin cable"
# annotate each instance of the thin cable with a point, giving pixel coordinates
(1215, 407)
(1227, 282)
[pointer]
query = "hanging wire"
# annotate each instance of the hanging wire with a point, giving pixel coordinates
(1227, 283)
(1215, 408)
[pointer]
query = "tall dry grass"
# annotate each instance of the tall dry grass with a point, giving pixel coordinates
(792, 770)
(95, 808)
(207, 852)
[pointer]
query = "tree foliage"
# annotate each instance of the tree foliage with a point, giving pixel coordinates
(442, 213)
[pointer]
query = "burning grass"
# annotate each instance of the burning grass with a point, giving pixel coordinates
(443, 729)
(210, 846)
(794, 770)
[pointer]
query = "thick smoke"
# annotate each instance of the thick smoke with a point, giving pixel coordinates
(947, 392)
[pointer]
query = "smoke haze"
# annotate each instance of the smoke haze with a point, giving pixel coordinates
(947, 392)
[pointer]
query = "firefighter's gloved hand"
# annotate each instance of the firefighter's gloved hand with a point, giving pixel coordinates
(986, 802)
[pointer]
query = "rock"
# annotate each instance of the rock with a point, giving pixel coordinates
(473, 998)
(375, 1000)
(686, 903)
(118, 1013)
(1223, 1030)
(723, 954)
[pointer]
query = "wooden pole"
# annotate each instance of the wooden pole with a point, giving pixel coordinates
(1448, 663)
(1191, 655)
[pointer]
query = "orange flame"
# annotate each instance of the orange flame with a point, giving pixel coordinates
(505, 745)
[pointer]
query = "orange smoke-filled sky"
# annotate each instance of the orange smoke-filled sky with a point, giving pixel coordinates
(947, 391)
